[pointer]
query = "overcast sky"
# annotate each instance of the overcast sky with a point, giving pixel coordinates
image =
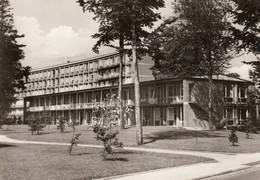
(57, 31)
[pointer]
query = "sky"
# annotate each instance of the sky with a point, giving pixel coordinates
(57, 31)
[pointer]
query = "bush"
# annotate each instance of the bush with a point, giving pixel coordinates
(19, 121)
(108, 137)
(35, 124)
(233, 137)
(61, 123)
(106, 116)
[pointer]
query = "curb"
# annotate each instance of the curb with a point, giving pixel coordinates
(223, 173)
(149, 171)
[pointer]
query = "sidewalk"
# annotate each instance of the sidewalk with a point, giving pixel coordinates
(226, 162)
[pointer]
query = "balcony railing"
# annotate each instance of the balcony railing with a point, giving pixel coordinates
(242, 100)
(174, 99)
(228, 99)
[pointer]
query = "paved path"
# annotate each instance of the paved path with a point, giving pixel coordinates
(226, 162)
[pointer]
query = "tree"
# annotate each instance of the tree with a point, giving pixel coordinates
(61, 123)
(113, 26)
(202, 27)
(12, 73)
(105, 116)
(173, 51)
(233, 137)
(35, 123)
(132, 16)
(246, 29)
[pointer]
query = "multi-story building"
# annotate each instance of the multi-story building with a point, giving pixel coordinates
(69, 90)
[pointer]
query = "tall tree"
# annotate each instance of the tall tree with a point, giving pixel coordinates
(246, 30)
(201, 28)
(12, 74)
(113, 26)
(142, 15)
(124, 20)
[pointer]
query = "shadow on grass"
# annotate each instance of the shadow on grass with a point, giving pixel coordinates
(80, 154)
(126, 152)
(6, 145)
(116, 159)
(179, 134)
(235, 145)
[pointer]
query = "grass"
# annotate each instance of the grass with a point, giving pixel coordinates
(53, 162)
(154, 137)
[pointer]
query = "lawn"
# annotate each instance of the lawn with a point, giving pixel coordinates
(19, 161)
(154, 137)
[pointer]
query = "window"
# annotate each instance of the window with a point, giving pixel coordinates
(241, 94)
(242, 113)
(228, 93)
(173, 115)
(228, 113)
(147, 116)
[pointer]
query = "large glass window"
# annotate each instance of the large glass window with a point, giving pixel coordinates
(241, 94)
(242, 114)
(229, 113)
(174, 115)
(174, 93)
(228, 93)
(147, 116)
(66, 99)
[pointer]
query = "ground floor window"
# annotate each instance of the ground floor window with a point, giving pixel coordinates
(174, 116)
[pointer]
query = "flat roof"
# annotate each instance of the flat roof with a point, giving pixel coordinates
(75, 61)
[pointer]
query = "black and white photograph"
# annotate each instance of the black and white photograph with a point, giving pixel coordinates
(129, 89)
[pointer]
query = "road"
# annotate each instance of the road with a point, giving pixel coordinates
(249, 174)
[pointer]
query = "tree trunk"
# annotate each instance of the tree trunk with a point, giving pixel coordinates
(139, 130)
(210, 103)
(121, 51)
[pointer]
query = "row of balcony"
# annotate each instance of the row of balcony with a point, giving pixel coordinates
(236, 122)
(73, 106)
(232, 100)
(50, 76)
(168, 100)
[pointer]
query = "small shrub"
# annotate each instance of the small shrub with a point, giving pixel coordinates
(19, 121)
(75, 137)
(61, 123)
(108, 137)
(106, 117)
(233, 137)
(74, 142)
(35, 124)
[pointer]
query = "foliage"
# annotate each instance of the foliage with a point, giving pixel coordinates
(35, 123)
(12, 74)
(202, 101)
(113, 25)
(246, 32)
(246, 17)
(233, 137)
(8, 121)
(173, 51)
(106, 117)
(108, 137)
(125, 20)
(234, 75)
(61, 123)
(200, 26)
(73, 142)
(46, 117)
